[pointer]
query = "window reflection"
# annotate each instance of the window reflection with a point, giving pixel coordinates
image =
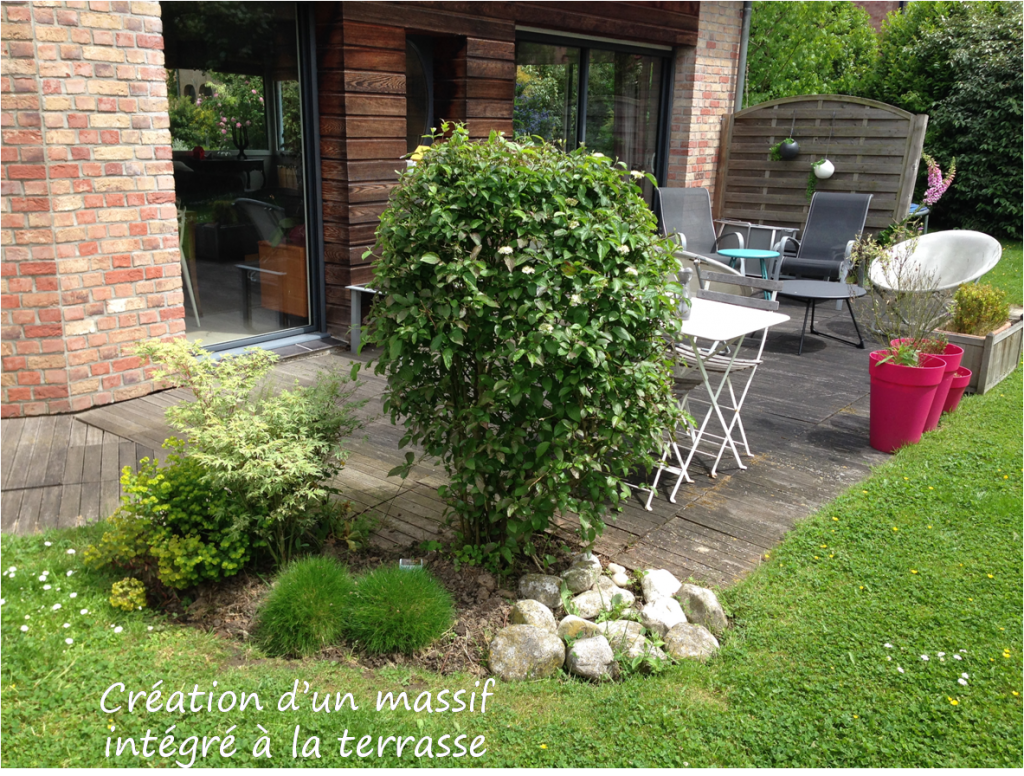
(547, 83)
(236, 130)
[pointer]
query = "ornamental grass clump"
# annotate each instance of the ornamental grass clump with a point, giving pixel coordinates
(523, 320)
(305, 611)
(397, 610)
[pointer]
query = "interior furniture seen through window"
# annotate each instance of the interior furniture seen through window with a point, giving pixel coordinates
(612, 98)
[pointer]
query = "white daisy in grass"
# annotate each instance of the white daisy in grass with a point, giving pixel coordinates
(46, 587)
(71, 552)
(900, 669)
(118, 629)
(24, 629)
(72, 595)
(70, 572)
(47, 544)
(69, 641)
(962, 681)
(924, 658)
(84, 611)
(56, 607)
(957, 657)
(887, 645)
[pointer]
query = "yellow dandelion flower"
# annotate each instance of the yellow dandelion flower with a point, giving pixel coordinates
(913, 571)
(906, 478)
(543, 746)
(831, 556)
(824, 546)
(862, 587)
(895, 528)
(816, 557)
(855, 716)
(930, 488)
(929, 526)
(990, 576)
(953, 701)
(836, 519)
(1015, 693)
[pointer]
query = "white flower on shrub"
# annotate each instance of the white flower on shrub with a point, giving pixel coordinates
(505, 250)
(597, 155)
(575, 300)
(623, 249)
(547, 328)
(528, 270)
(632, 271)
(572, 201)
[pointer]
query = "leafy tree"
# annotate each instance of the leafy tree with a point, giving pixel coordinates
(522, 312)
(980, 121)
(808, 48)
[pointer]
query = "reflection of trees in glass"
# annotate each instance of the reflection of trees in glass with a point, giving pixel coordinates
(236, 99)
(291, 118)
(545, 102)
(218, 32)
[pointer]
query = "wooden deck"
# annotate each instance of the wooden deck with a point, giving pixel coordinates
(806, 419)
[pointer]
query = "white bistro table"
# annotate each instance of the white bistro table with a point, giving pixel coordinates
(725, 326)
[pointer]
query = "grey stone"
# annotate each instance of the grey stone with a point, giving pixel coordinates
(587, 557)
(543, 588)
(615, 568)
(581, 576)
(620, 579)
(689, 640)
(601, 598)
(642, 648)
(530, 612)
(702, 607)
(525, 652)
(662, 615)
(572, 627)
(621, 633)
(591, 658)
(659, 583)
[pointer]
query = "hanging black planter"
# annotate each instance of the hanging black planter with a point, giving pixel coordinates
(789, 149)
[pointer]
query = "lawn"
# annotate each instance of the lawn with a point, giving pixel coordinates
(848, 647)
(1007, 274)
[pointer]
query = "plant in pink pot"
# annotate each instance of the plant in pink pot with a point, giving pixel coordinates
(911, 378)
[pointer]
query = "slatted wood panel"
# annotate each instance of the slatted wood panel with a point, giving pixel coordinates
(361, 71)
(809, 444)
(875, 148)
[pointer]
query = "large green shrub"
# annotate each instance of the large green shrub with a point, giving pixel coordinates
(521, 312)
(275, 450)
(174, 527)
(961, 64)
(807, 48)
(397, 610)
(306, 610)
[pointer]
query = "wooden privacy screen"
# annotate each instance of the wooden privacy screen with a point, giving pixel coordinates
(875, 148)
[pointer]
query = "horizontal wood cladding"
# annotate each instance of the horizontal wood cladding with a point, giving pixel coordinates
(374, 83)
(362, 149)
(369, 170)
(365, 191)
(379, 60)
(490, 49)
(484, 109)
(362, 126)
(675, 24)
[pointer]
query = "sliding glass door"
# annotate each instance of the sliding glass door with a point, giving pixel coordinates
(612, 98)
(237, 129)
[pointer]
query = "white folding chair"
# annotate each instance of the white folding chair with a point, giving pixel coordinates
(719, 359)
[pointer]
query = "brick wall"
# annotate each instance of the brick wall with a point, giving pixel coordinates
(705, 82)
(89, 235)
(878, 10)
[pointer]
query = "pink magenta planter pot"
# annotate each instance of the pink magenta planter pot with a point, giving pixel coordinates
(951, 357)
(901, 398)
(961, 380)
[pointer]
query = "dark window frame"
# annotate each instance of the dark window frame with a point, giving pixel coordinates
(585, 45)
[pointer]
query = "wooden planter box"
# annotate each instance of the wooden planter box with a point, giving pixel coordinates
(992, 357)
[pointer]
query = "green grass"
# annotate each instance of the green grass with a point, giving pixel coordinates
(305, 610)
(1007, 274)
(396, 610)
(802, 679)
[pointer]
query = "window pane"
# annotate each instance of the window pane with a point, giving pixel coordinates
(547, 80)
(623, 95)
(236, 135)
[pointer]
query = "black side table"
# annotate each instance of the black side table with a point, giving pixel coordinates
(813, 291)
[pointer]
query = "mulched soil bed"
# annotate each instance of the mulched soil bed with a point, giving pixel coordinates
(229, 610)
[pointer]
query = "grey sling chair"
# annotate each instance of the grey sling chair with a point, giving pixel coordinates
(834, 222)
(686, 213)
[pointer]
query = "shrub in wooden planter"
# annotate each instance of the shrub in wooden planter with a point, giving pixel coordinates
(992, 344)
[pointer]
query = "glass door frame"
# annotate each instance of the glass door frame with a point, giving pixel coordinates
(585, 45)
(313, 194)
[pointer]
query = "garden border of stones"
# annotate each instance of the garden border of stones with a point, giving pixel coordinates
(605, 632)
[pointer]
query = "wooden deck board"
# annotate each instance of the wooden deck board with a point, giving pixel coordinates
(805, 418)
